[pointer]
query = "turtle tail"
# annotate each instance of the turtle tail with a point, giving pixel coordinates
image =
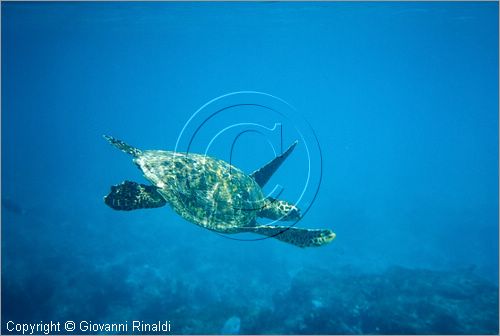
(123, 146)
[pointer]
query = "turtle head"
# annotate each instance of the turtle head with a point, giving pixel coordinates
(327, 236)
(321, 237)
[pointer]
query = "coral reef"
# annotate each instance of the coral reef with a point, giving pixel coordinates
(397, 301)
(198, 286)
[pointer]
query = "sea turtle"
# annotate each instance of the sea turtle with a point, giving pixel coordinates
(211, 193)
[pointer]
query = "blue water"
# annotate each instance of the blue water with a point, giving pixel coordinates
(403, 100)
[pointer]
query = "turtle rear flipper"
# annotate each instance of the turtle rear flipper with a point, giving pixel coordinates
(279, 210)
(131, 195)
(296, 236)
(124, 147)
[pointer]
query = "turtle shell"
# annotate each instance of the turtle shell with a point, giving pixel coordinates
(204, 190)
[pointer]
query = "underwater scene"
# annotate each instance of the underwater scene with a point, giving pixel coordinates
(249, 168)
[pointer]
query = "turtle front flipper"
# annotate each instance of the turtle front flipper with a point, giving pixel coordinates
(279, 210)
(263, 174)
(296, 236)
(131, 195)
